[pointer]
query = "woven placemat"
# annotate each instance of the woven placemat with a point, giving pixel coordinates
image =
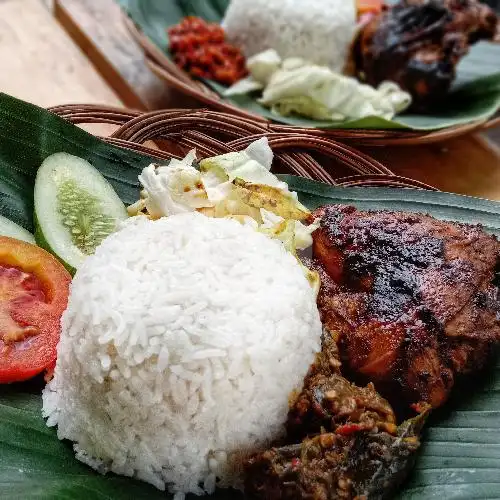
(298, 152)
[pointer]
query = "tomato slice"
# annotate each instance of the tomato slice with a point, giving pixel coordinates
(34, 290)
(369, 7)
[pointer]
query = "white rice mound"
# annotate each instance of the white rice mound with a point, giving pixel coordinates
(319, 31)
(182, 341)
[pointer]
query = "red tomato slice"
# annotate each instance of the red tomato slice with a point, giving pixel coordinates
(369, 7)
(34, 290)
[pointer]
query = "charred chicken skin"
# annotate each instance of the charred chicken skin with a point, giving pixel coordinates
(418, 44)
(413, 301)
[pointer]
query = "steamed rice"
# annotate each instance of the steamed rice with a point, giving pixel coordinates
(319, 31)
(182, 341)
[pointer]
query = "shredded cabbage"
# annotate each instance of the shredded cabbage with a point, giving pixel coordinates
(301, 234)
(236, 185)
(297, 86)
(252, 165)
(172, 190)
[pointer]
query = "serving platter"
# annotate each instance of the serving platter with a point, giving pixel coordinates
(460, 457)
(472, 106)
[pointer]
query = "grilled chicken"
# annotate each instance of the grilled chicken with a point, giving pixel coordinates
(413, 300)
(407, 302)
(418, 44)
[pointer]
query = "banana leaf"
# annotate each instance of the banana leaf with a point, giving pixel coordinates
(475, 95)
(460, 457)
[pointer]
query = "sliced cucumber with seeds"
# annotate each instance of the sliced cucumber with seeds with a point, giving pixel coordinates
(12, 230)
(75, 208)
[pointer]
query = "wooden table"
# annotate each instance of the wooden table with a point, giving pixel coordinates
(40, 63)
(467, 165)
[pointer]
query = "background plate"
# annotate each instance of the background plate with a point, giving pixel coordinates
(475, 96)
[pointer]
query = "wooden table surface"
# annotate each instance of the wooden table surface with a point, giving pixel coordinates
(114, 72)
(40, 63)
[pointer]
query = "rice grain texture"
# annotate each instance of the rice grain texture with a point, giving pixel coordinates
(181, 343)
(319, 31)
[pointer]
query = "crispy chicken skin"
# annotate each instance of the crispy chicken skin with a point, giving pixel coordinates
(412, 300)
(418, 44)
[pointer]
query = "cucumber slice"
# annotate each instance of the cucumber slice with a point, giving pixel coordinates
(75, 208)
(12, 230)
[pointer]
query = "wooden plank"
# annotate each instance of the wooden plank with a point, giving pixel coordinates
(97, 27)
(467, 165)
(40, 63)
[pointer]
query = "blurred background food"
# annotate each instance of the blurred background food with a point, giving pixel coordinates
(82, 51)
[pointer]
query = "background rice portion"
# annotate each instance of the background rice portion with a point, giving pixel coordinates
(320, 31)
(182, 341)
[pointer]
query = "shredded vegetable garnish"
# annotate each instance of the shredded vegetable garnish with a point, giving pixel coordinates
(236, 185)
(296, 86)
